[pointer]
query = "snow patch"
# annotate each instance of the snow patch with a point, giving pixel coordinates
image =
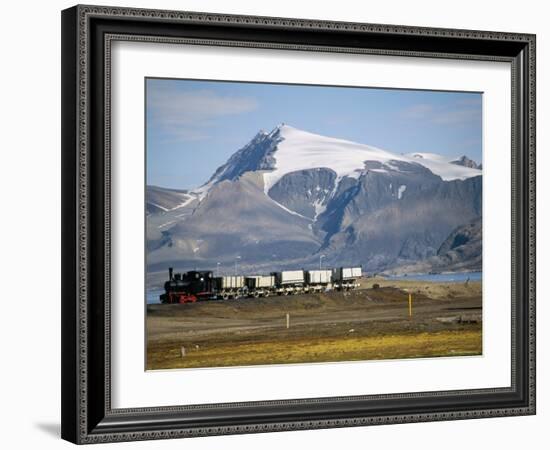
(167, 224)
(294, 213)
(159, 206)
(400, 191)
(319, 208)
(183, 204)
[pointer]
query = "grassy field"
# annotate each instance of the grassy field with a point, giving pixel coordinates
(405, 345)
(366, 324)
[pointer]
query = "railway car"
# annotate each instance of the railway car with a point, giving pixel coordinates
(318, 280)
(229, 286)
(345, 278)
(260, 285)
(322, 277)
(289, 282)
(289, 278)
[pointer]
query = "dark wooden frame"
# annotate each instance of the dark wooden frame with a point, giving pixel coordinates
(87, 32)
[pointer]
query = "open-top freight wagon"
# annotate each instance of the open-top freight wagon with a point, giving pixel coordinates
(344, 278)
(195, 285)
(260, 285)
(319, 280)
(231, 286)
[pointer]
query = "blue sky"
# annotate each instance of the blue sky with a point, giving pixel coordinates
(193, 127)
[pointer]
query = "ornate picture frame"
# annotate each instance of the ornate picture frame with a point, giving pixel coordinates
(88, 33)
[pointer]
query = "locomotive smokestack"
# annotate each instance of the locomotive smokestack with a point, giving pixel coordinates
(170, 273)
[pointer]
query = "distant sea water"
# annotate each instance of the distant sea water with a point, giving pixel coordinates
(443, 277)
(153, 296)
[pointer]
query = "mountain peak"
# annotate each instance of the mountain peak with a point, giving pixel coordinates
(280, 129)
(256, 155)
(465, 162)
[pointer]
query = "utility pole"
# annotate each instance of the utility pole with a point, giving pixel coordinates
(320, 261)
(218, 269)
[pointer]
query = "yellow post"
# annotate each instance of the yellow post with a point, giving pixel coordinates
(287, 320)
(410, 305)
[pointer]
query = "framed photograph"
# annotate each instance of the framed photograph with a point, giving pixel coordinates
(279, 224)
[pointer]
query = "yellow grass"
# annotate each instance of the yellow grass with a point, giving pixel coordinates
(392, 346)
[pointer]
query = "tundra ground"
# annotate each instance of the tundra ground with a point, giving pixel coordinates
(365, 324)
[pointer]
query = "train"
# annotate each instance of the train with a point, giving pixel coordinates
(195, 285)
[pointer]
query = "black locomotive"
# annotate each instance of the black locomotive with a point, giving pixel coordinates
(187, 287)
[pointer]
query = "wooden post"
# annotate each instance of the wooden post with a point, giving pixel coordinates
(287, 321)
(410, 305)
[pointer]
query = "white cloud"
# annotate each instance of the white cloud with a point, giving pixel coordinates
(458, 116)
(419, 111)
(461, 113)
(188, 115)
(476, 101)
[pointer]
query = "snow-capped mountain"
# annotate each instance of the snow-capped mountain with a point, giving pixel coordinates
(289, 195)
(286, 149)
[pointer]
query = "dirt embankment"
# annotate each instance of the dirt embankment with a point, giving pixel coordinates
(434, 290)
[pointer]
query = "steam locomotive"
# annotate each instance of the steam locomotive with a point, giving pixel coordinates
(189, 287)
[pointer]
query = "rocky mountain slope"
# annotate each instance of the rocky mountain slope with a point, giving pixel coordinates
(460, 252)
(161, 200)
(466, 162)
